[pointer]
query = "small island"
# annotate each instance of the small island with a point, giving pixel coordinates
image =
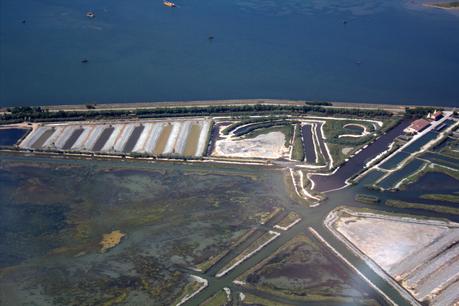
(111, 240)
(445, 5)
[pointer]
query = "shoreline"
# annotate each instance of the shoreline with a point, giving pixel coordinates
(439, 6)
(153, 105)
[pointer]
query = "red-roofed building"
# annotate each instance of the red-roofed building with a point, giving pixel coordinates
(436, 116)
(417, 126)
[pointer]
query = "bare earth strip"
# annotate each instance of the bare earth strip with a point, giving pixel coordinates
(439, 280)
(110, 144)
(449, 296)
(182, 137)
(50, 142)
(170, 145)
(32, 138)
(192, 141)
(73, 138)
(162, 140)
(153, 141)
(143, 138)
(68, 131)
(79, 143)
(133, 138)
(42, 139)
(124, 137)
(426, 253)
(93, 137)
(102, 139)
(202, 138)
(82, 138)
(439, 262)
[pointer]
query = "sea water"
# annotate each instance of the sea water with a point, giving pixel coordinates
(392, 51)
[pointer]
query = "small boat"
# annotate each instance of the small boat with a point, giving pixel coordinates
(169, 4)
(90, 14)
(84, 60)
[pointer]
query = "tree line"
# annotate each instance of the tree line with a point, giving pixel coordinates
(17, 114)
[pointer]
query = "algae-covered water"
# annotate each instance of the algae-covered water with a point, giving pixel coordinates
(55, 213)
(175, 216)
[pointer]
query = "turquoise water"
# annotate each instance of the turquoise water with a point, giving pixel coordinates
(388, 51)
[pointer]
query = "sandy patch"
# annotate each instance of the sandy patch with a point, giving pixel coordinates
(386, 241)
(270, 145)
(421, 255)
(111, 240)
(346, 150)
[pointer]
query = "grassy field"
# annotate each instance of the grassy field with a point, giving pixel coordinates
(333, 128)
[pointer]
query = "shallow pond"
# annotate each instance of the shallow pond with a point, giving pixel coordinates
(9, 137)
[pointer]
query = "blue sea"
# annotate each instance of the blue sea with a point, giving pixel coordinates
(391, 51)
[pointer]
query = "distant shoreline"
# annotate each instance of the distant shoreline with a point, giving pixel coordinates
(152, 105)
(443, 5)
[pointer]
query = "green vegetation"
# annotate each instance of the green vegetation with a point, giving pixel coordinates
(334, 128)
(260, 241)
(454, 4)
(18, 114)
(245, 121)
(318, 103)
(453, 198)
(235, 242)
(265, 216)
(434, 208)
(218, 299)
(191, 287)
(289, 219)
(336, 151)
(298, 148)
(262, 125)
(450, 147)
(366, 198)
(418, 112)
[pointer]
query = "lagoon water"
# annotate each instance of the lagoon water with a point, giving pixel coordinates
(392, 51)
